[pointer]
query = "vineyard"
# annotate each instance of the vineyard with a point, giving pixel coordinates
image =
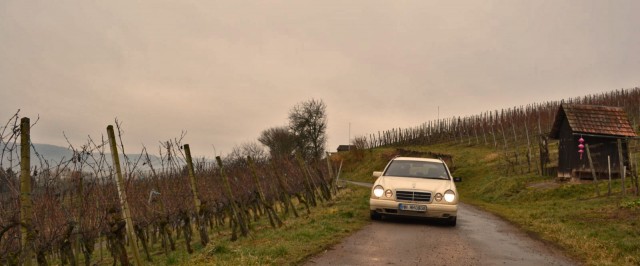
(67, 210)
(136, 208)
(519, 133)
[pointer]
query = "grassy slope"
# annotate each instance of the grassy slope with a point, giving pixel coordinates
(301, 237)
(595, 230)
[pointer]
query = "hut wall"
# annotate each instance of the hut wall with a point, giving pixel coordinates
(571, 166)
(600, 148)
(566, 149)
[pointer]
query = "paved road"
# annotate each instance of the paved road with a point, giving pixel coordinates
(478, 239)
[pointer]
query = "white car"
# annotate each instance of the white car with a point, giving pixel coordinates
(417, 187)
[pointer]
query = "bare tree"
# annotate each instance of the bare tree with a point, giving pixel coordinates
(240, 153)
(308, 121)
(280, 141)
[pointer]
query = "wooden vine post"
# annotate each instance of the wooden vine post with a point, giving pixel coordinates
(202, 229)
(26, 233)
(236, 216)
(632, 169)
(593, 170)
(268, 205)
(124, 204)
(332, 180)
(310, 187)
(165, 232)
(284, 188)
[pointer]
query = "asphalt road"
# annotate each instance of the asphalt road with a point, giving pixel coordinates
(479, 238)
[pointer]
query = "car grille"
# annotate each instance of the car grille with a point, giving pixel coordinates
(413, 195)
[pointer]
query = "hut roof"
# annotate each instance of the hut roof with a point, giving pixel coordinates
(594, 120)
(346, 147)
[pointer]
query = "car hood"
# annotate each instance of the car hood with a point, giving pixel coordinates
(409, 183)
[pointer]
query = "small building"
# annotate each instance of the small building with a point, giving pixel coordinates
(599, 126)
(346, 147)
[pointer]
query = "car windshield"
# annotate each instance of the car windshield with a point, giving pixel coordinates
(417, 169)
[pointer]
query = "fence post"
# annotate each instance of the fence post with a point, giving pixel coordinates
(123, 196)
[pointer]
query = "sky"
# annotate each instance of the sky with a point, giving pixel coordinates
(224, 71)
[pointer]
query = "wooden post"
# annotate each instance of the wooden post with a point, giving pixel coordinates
(204, 238)
(493, 134)
(339, 171)
(593, 170)
(309, 185)
(526, 130)
(635, 173)
(332, 180)
(475, 131)
(609, 171)
(26, 234)
(621, 161)
(284, 188)
(484, 135)
(124, 204)
(235, 211)
(541, 166)
(632, 170)
(268, 205)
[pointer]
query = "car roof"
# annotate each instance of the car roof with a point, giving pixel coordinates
(418, 159)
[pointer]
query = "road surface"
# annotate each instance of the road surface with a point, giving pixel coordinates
(479, 239)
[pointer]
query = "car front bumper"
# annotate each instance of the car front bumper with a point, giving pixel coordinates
(434, 210)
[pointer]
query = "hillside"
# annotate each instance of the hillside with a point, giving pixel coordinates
(598, 230)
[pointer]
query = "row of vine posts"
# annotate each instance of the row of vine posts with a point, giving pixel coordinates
(82, 204)
(519, 134)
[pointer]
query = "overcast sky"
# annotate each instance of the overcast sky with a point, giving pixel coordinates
(223, 71)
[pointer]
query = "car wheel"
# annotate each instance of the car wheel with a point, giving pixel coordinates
(452, 221)
(375, 215)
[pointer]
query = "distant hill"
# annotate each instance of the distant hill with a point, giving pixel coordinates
(56, 154)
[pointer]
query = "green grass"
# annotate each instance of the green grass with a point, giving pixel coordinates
(297, 240)
(595, 230)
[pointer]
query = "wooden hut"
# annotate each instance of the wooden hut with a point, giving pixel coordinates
(346, 148)
(601, 127)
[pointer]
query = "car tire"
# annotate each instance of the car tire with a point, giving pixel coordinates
(375, 216)
(452, 221)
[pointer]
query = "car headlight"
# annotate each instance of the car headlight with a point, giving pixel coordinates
(438, 197)
(378, 191)
(388, 193)
(449, 196)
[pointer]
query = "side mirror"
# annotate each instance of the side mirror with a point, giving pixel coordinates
(457, 179)
(377, 174)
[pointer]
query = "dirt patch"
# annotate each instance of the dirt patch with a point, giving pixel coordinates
(544, 185)
(490, 157)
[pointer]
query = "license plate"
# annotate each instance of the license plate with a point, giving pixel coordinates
(412, 207)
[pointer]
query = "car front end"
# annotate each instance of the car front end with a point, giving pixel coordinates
(414, 193)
